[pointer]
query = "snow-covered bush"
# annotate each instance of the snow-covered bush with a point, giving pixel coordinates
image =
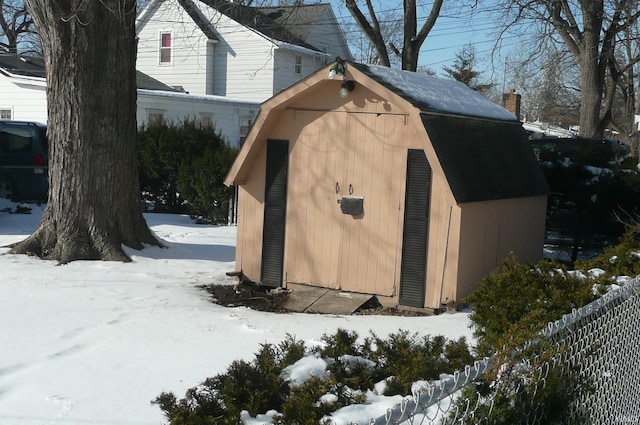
(298, 386)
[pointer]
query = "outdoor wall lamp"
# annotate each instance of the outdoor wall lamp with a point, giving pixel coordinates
(338, 68)
(347, 87)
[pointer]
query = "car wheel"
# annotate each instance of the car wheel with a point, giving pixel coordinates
(6, 188)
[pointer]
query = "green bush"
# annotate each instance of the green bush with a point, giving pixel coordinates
(182, 169)
(353, 368)
(622, 259)
(525, 388)
(517, 300)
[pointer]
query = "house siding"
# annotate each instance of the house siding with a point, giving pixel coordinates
(224, 113)
(328, 37)
(190, 48)
(239, 65)
(284, 64)
(26, 99)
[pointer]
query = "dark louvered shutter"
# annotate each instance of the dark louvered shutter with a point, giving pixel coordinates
(416, 227)
(275, 204)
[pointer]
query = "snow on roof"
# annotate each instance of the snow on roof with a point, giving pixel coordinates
(545, 129)
(437, 94)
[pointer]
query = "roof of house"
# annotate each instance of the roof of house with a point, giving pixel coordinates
(196, 14)
(285, 26)
(32, 66)
(298, 20)
(24, 66)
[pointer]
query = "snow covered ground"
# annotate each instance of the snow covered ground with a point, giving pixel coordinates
(94, 342)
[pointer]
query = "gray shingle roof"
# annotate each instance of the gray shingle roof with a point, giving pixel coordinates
(31, 66)
(256, 18)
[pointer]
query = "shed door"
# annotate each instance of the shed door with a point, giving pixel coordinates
(416, 226)
(275, 203)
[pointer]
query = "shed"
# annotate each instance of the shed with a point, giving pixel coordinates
(385, 182)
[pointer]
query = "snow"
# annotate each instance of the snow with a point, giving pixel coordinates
(305, 368)
(440, 94)
(94, 342)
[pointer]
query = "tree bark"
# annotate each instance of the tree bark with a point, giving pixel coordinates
(93, 205)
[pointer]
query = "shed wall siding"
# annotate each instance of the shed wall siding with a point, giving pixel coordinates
(491, 230)
(363, 144)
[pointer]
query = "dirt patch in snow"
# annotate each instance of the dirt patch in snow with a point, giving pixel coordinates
(272, 300)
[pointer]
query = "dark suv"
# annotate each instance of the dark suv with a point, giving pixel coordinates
(24, 161)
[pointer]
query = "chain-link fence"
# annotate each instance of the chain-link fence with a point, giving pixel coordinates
(598, 343)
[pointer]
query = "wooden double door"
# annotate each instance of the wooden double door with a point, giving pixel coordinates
(335, 157)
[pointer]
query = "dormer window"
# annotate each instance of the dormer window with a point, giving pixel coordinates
(165, 48)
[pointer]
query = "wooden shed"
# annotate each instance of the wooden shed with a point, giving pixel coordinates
(385, 182)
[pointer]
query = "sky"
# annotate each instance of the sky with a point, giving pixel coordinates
(456, 27)
(93, 342)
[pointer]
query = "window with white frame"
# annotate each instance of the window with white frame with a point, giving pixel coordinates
(5, 113)
(166, 45)
(297, 67)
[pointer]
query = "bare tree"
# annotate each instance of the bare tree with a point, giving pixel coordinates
(589, 30)
(412, 38)
(16, 27)
(93, 205)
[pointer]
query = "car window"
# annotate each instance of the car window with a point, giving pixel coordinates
(15, 139)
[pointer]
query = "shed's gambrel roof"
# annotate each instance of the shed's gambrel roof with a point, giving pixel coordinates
(481, 147)
(432, 94)
(485, 160)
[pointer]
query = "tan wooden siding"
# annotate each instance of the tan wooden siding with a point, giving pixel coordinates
(336, 154)
(491, 230)
(250, 221)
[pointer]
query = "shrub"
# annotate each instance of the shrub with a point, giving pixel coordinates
(258, 386)
(622, 259)
(182, 169)
(517, 300)
(253, 386)
(527, 387)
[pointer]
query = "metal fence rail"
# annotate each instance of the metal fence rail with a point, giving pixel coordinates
(600, 342)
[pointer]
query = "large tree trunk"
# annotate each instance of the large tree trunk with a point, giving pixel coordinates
(590, 99)
(93, 205)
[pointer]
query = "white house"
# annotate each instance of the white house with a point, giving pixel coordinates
(217, 47)
(23, 97)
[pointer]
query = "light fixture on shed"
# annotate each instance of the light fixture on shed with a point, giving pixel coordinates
(347, 87)
(338, 68)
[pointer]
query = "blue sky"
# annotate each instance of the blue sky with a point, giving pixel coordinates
(453, 30)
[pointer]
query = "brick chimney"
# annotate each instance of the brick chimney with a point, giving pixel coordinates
(511, 102)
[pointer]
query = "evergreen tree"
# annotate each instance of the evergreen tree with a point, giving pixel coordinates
(463, 69)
